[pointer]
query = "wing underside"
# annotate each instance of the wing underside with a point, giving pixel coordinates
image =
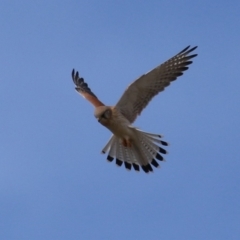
(84, 90)
(140, 92)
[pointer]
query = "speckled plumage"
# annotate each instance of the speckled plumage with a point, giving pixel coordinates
(128, 144)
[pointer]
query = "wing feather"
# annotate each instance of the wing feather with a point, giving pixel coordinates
(84, 90)
(140, 92)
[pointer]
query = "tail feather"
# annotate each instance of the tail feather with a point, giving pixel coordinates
(144, 152)
(124, 153)
(153, 149)
(150, 134)
(108, 145)
(157, 141)
(149, 146)
(112, 152)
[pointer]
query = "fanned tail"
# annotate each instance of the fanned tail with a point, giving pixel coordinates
(145, 151)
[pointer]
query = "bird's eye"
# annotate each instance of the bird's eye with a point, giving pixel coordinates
(107, 114)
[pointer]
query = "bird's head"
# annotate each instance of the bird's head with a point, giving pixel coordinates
(103, 114)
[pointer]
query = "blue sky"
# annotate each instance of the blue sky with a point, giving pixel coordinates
(54, 183)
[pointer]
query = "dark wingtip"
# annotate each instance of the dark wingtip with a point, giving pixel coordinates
(194, 48)
(73, 73)
(81, 86)
(191, 50)
(194, 55)
(187, 50)
(75, 76)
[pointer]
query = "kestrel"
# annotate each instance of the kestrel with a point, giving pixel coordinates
(128, 144)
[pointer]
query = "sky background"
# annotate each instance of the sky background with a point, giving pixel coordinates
(54, 183)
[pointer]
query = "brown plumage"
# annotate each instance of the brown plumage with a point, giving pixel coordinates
(128, 144)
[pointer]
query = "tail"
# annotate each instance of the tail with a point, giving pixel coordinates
(143, 153)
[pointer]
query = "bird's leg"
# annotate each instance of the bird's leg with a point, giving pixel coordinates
(126, 142)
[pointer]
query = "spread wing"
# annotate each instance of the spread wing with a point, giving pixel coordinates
(84, 90)
(140, 92)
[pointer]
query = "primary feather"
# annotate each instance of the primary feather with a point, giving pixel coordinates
(128, 145)
(140, 92)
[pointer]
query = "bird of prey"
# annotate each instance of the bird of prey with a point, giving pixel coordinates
(128, 144)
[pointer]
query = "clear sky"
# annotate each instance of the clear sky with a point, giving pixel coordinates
(55, 183)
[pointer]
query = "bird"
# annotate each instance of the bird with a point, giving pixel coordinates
(129, 145)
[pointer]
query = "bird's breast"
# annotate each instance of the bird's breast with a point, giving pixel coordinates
(119, 126)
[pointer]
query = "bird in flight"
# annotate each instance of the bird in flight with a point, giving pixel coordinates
(129, 145)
